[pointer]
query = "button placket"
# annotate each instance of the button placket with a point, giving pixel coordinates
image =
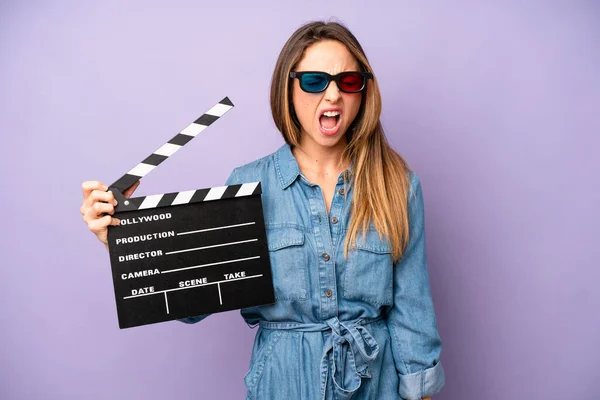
(324, 247)
(337, 206)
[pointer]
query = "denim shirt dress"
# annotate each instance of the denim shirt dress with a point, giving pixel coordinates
(362, 327)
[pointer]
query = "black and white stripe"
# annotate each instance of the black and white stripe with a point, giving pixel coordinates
(169, 148)
(190, 196)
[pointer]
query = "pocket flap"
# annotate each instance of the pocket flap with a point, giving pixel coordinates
(372, 242)
(278, 238)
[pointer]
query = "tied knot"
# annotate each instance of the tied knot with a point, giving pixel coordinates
(347, 353)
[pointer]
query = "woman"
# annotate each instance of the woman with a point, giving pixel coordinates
(353, 316)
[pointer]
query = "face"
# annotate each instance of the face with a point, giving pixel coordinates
(326, 116)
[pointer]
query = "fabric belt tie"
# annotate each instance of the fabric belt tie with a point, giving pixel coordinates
(350, 347)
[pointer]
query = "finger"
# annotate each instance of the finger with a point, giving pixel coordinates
(88, 186)
(97, 210)
(100, 196)
(129, 191)
(100, 224)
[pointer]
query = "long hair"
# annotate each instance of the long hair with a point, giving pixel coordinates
(379, 175)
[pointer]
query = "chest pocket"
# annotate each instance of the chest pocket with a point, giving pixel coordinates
(287, 253)
(368, 275)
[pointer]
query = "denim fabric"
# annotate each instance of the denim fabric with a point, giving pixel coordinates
(362, 327)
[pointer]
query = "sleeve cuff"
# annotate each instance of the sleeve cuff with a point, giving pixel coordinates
(422, 384)
(193, 320)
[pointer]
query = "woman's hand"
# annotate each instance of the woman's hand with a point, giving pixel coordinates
(99, 206)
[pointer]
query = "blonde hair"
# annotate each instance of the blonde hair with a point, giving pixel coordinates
(380, 176)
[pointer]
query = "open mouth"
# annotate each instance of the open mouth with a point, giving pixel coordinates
(330, 121)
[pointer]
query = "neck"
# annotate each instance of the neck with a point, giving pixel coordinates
(314, 159)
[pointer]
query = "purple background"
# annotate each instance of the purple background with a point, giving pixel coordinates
(496, 106)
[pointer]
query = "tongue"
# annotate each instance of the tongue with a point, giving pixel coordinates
(328, 122)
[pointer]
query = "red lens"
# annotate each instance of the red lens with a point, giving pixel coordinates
(351, 82)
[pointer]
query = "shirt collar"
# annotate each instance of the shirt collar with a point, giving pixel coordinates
(288, 169)
(286, 166)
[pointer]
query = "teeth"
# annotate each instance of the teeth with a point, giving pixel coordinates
(331, 113)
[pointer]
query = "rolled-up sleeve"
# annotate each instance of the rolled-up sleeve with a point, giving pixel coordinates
(416, 344)
(193, 320)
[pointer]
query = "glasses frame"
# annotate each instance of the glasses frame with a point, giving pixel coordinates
(366, 76)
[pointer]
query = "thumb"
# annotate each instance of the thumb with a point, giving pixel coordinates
(129, 191)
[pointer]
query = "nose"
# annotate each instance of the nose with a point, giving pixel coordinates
(332, 93)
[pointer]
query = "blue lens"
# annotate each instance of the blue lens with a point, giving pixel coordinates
(313, 82)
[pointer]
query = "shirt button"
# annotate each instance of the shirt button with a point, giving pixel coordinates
(328, 293)
(341, 191)
(334, 220)
(326, 257)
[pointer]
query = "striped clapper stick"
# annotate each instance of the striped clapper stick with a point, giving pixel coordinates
(189, 253)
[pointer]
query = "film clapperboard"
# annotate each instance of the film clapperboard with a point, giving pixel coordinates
(189, 253)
